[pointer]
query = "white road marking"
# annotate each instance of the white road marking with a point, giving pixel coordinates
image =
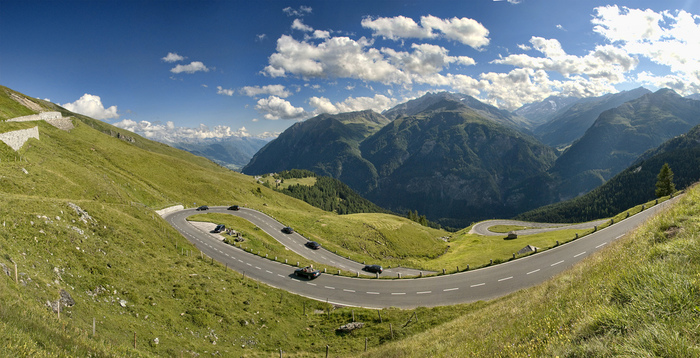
(258, 268)
(556, 263)
(248, 264)
(507, 278)
(423, 292)
(346, 290)
(329, 287)
(312, 284)
(398, 293)
(451, 289)
(268, 271)
(577, 255)
(372, 293)
(601, 245)
(477, 285)
(533, 271)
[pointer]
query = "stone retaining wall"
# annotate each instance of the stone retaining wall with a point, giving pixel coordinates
(16, 139)
(43, 116)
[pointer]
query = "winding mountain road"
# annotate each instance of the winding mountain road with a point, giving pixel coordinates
(481, 284)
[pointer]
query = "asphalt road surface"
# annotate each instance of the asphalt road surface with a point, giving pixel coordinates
(481, 284)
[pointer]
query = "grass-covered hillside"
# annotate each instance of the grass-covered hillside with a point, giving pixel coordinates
(640, 297)
(77, 215)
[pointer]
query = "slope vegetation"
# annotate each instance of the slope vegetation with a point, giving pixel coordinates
(637, 298)
(631, 187)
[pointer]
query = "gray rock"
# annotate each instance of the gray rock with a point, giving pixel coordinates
(350, 327)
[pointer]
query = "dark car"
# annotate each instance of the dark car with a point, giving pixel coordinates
(287, 230)
(219, 228)
(374, 268)
(202, 208)
(307, 272)
(313, 245)
(233, 207)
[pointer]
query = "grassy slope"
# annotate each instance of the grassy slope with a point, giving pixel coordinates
(128, 253)
(133, 255)
(637, 298)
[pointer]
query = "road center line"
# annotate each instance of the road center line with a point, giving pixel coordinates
(311, 283)
(423, 292)
(329, 287)
(533, 271)
(372, 293)
(346, 290)
(577, 255)
(477, 285)
(506, 278)
(557, 263)
(601, 245)
(451, 289)
(397, 293)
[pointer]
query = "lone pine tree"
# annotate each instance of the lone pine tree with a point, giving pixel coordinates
(664, 183)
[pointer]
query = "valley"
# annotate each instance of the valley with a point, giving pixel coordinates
(79, 217)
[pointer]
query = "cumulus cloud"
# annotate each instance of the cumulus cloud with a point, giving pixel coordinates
(378, 103)
(336, 57)
(425, 59)
(665, 38)
(172, 57)
(342, 57)
(301, 11)
(608, 62)
(224, 91)
(168, 132)
(297, 24)
(464, 30)
(274, 108)
(91, 106)
(195, 66)
(276, 90)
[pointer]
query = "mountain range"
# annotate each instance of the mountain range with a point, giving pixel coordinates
(458, 160)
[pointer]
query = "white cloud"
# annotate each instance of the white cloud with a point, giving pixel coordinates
(276, 90)
(297, 24)
(301, 11)
(195, 66)
(321, 34)
(667, 39)
(274, 108)
(260, 37)
(91, 106)
(224, 91)
(336, 57)
(464, 30)
(378, 103)
(168, 132)
(425, 59)
(608, 62)
(398, 27)
(172, 57)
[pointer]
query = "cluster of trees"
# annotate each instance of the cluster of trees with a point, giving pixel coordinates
(632, 187)
(328, 194)
(421, 219)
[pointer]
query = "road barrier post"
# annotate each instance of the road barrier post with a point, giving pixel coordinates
(399, 274)
(420, 274)
(443, 271)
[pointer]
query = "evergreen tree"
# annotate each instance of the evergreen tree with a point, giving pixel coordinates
(664, 183)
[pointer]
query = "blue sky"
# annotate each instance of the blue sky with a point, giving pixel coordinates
(178, 69)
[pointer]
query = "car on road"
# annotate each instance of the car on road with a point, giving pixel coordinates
(307, 272)
(202, 208)
(233, 207)
(374, 268)
(287, 230)
(313, 245)
(219, 228)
